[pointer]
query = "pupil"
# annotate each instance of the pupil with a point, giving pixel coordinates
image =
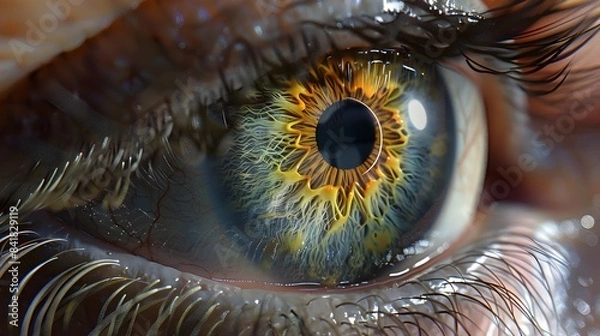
(346, 133)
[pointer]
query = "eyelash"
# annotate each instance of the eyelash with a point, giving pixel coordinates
(469, 36)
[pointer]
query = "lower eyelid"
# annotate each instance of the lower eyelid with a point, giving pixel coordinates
(493, 276)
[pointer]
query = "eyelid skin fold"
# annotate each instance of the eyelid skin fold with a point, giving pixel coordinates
(71, 22)
(31, 45)
(27, 43)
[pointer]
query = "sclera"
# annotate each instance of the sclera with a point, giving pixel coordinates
(470, 158)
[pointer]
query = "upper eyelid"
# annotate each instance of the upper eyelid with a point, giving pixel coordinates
(250, 46)
(257, 19)
(244, 30)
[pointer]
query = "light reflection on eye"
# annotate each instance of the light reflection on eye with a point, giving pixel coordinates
(389, 308)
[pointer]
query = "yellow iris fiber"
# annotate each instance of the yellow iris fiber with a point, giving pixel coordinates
(318, 184)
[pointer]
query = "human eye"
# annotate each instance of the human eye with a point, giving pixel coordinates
(521, 267)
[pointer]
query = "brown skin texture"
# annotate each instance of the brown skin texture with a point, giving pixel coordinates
(82, 20)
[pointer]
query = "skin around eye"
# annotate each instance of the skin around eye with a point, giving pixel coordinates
(576, 235)
(49, 28)
(555, 131)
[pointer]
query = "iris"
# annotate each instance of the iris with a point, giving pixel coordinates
(330, 174)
